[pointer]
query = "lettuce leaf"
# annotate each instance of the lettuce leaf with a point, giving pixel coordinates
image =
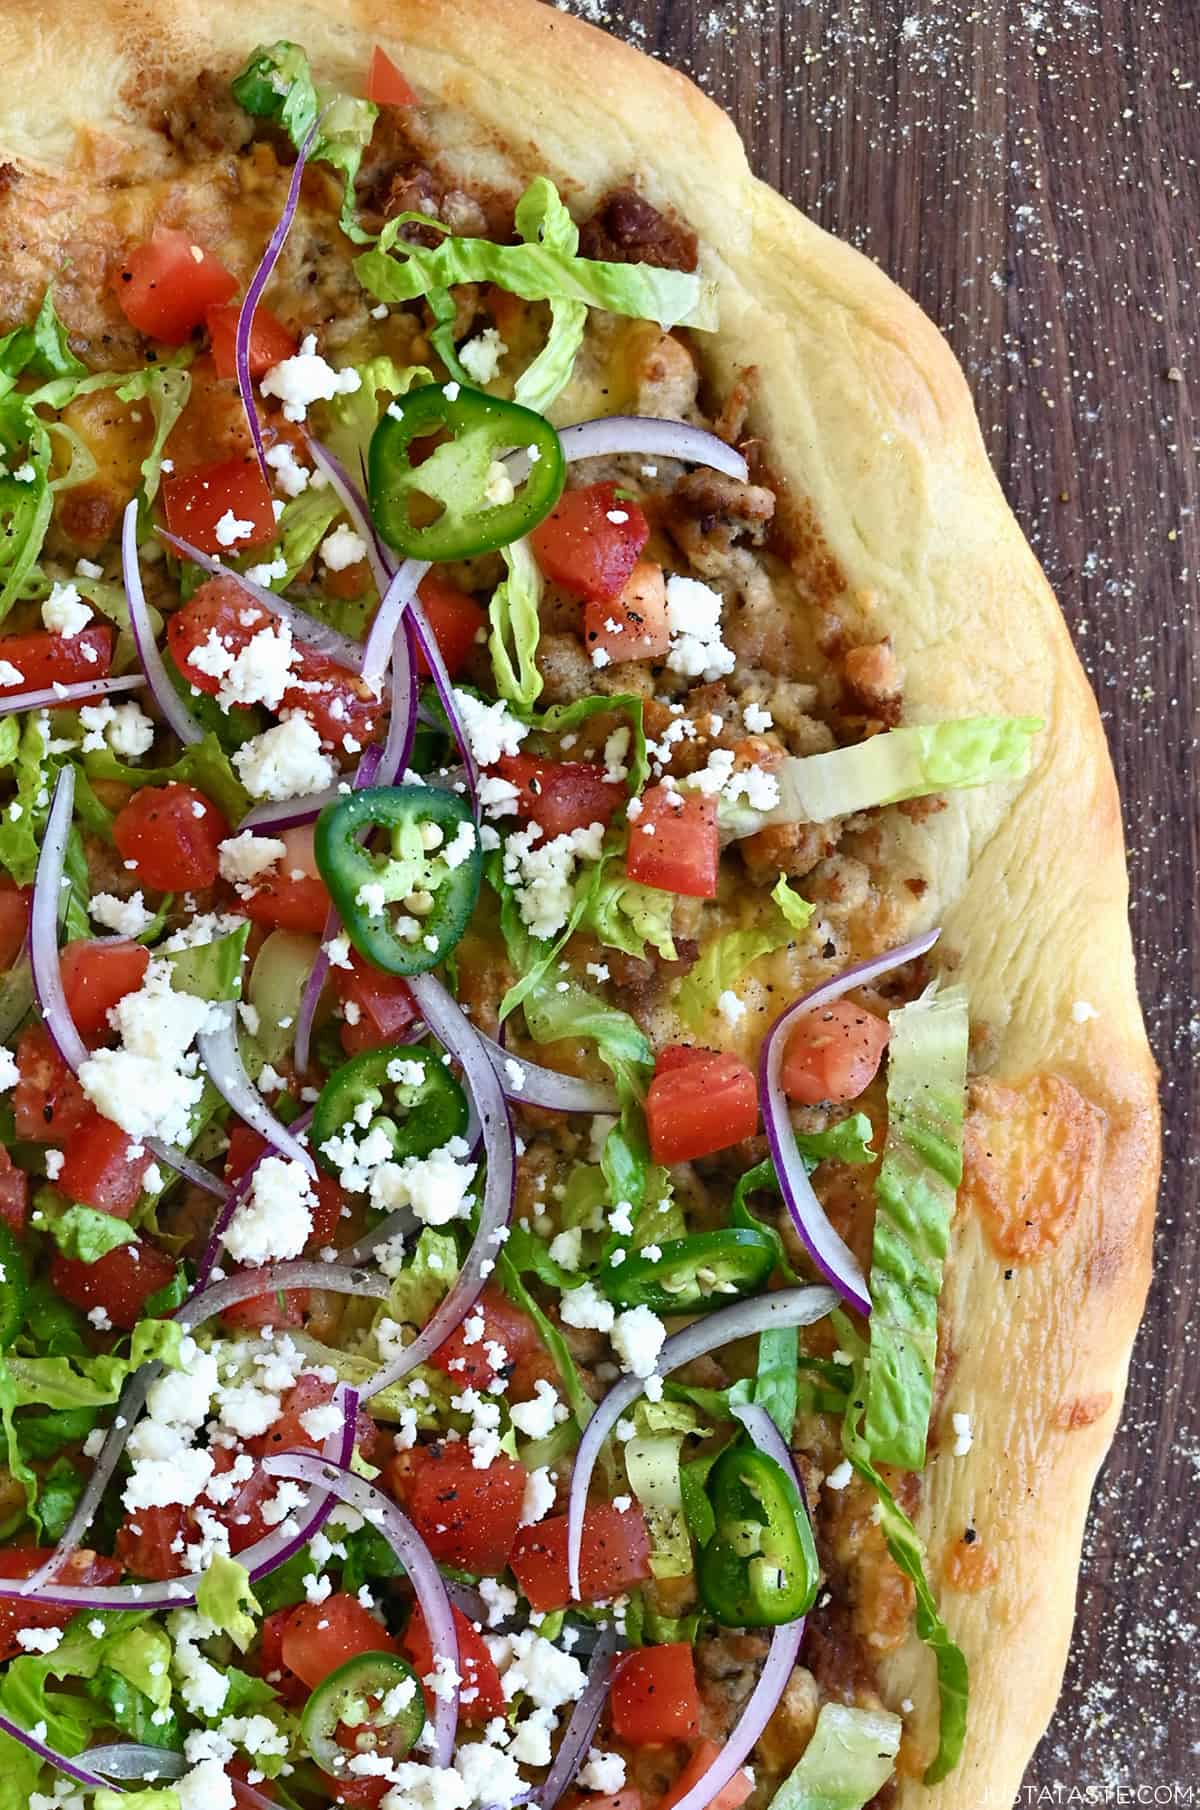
(652, 1466)
(40, 350)
(726, 958)
(154, 1797)
(914, 1196)
(848, 1759)
(165, 388)
(354, 416)
(901, 763)
(560, 718)
(277, 85)
(539, 271)
(425, 1278)
(516, 627)
(225, 1597)
(204, 765)
(69, 1719)
(86, 1234)
(623, 914)
(20, 835)
(541, 217)
(211, 970)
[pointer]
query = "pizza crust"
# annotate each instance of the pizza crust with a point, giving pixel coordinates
(870, 423)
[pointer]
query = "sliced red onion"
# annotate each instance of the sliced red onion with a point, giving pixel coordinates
(70, 1769)
(260, 1559)
(222, 1061)
(283, 814)
(829, 1252)
(427, 642)
(62, 697)
(430, 1591)
(245, 1285)
(165, 695)
(612, 435)
(43, 926)
(130, 1760)
(401, 590)
(353, 502)
(186, 1166)
(581, 1729)
(365, 775)
(398, 1224)
(462, 1042)
(538, 1086)
(402, 722)
(785, 1307)
(306, 629)
(258, 282)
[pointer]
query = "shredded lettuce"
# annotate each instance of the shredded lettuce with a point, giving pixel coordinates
(726, 958)
(204, 765)
(155, 1797)
(652, 1466)
(623, 914)
(225, 1597)
(563, 717)
(425, 1278)
(211, 970)
(516, 627)
(354, 415)
(38, 351)
(68, 1719)
(86, 1234)
(26, 500)
(165, 388)
(914, 1195)
(541, 217)
(277, 85)
(24, 816)
(901, 763)
(848, 1759)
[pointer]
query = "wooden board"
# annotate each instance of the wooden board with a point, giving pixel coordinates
(1028, 170)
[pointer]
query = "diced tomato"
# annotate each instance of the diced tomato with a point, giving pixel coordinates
(632, 625)
(270, 1658)
(319, 1637)
(44, 659)
(355, 1794)
(14, 1193)
(560, 795)
(615, 1556)
(14, 919)
(83, 1569)
(591, 541)
(306, 1393)
(455, 620)
(292, 896)
(387, 85)
(674, 845)
(166, 285)
(172, 834)
(471, 1364)
(707, 1104)
(213, 427)
(245, 1795)
(120, 1282)
(99, 1169)
(653, 1697)
(270, 341)
(629, 1799)
(678, 1055)
(335, 700)
(95, 976)
(195, 502)
(700, 1760)
(279, 1308)
(378, 1007)
(467, 1517)
(48, 1102)
(243, 1514)
(833, 1053)
(150, 1542)
(482, 1695)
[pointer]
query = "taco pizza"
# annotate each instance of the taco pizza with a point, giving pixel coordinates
(578, 1147)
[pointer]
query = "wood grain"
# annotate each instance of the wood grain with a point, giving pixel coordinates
(1028, 171)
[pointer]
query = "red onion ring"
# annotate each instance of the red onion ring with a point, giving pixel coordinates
(130, 1760)
(282, 814)
(398, 1224)
(832, 1257)
(461, 1041)
(245, 1284)
(61, 697)
(165, 695)
(402, 722)
(581, 1729)
(306, 629)
(354, 503)
(781, 1655)
(222, 1062)
(785, 1307)
(430, 1591)
(612, 435)
(401, 589)
(546, 1087)
(427, 642)
(258, 282)
(49, 1756)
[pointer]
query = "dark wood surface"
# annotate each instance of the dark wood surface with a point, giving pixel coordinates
(1027, 169)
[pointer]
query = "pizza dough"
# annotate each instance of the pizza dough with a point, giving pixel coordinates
(870, 426)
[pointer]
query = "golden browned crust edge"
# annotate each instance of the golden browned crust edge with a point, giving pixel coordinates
(870, 420)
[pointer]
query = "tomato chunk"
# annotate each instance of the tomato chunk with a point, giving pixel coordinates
(701, 1758)
(48, 1102)
(270, 341)
(172, 834)
(560, 795)
(378, 1007)
(83, 1569)
(270, 1658)
(14, 1193)
(44, 659)
(150, 1541)
(482, 1695)
(166, 285)
(833, 1053)
(674, 845)
(615, 1555)
(120, 1282)
(701, 1106)
(477, 1364)
(208, 505)
(387, 85)
(95, 976)
(292, 896)
(14, 919)
(633, 624)
(100, 1170)
(319, 1637)
(455, 619)
(591, 541)
(653, 1697)
(467, 1517)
